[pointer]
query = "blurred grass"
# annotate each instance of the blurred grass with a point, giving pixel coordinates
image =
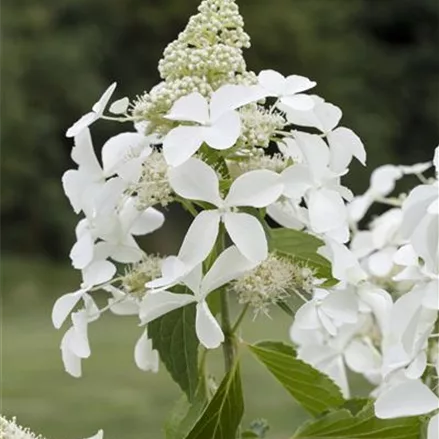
(112, 394)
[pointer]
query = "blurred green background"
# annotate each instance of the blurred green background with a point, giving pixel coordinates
(377, 60)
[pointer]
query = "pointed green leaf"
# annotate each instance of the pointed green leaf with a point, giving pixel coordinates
(223, 414)
(173, 335)
(185, 414)
(342, 424)
(315, 391)
(303, 248)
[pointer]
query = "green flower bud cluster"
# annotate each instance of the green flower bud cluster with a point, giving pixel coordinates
(205, 56)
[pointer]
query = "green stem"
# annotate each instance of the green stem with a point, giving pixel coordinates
(240, 318)
(229, 350)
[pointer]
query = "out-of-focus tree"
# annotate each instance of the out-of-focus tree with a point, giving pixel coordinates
(375, 59)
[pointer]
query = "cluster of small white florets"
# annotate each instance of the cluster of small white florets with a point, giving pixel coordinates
(260, 160)
(137, 275)
(259, 126)
(153, 187)
(9, 429)
(272, 281)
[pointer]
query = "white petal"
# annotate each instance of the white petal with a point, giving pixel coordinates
(193, 279)
(342, 306)
(433, 426)
(285, 215)
(297, 84)
(361, 244)
(361, 357)
(122, 304)
(417, 366)
(83, 154)
(431, 295)
(326, 210)
(224, 133)
(64, 306)
(255, 188)
(126, 252)
(316, 153)
(306, 317)
(229, 265)
(98, 435)
(181, 143)
(436, 161)
(359, 206)
(190, 108)
(328, 115)
(74, 185)
(208, 330)
(173, 270)
(195, 180)
(81, 124)
(149, 221)
(157, 304)
(78, 343)
(383, 179)
(230, 97)
(72, 363)
(117, 150)
(425, 241)
(81, 253)
(131, 170)
(297, 180)
(344, 144)
(99, 106)
(299, 102)
(409, 398)
(345, 266)
(273, 82)
(120, 106)
(433, 208)
(98, 273)
(200, 238)
(380, 263)
(145, 356)
(248, 235)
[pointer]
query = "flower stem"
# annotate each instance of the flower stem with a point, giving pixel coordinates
(240, 318)
(229, 350)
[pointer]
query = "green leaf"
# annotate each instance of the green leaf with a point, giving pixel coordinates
(249, 434)
(315, 391)
(173, 335)
(223, 414)
(185, 415)
(303, 248)
(342, 424)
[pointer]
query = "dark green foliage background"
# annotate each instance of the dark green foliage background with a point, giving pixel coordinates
(376, 59)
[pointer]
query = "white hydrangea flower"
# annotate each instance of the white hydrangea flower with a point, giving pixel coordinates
(343, 142)
(229, 265)
(96, 113)
(195, 180)
(219, 125)
(320, 186)
(288, 90)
